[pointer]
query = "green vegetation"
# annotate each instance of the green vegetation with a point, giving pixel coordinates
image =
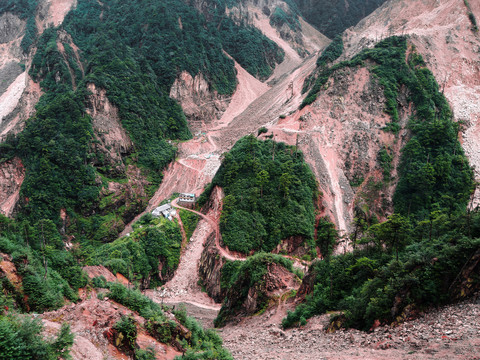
(400, 268)
(327, 237)
(54, 147)
(333, 17)
(21, 338)
(238, 277)
(49, 273)
(190, 221)
(269, 194)
(138, 255)
(280, 17)
(332, 52)
(471, 16)
(262, 130)
(198, 344)
(385, 160)
(128, 328)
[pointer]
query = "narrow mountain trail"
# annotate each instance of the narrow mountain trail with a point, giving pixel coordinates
(214, 225)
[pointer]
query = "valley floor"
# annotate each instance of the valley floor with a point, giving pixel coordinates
(451, 332)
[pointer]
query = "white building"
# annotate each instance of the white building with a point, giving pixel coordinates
(187, 198)
(166, 210)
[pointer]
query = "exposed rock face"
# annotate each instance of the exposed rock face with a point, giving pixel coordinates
(341, 135)
(294, 245)
(442, 33)
(467, 283)
(11, 27)
(52, 12)
(113, 141)
(91, 322)
(12, 174)
(242, 300)
(200, 103)
(97, 271)
(209, 270)
(308, 282)
(18, 94)
(8, 270)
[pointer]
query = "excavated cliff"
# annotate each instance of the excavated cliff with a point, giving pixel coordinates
(210, 270)
(245, 298)
(201, 104)
(12, 174)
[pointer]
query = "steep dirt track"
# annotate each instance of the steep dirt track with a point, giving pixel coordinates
(184, 287)
(213, 223)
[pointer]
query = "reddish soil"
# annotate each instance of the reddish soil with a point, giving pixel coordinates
(442, 33)
(90, 320)
(7, 267)
(97, 271)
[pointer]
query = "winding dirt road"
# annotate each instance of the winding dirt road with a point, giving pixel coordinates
(213, 223)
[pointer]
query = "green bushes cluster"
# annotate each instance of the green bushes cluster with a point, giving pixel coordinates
(375, 284)
(21, 338)
(385, 159)
(54, 147)
(202, 344)
(280, 17)
(332, 52)
(138, 255)
(471, 16)
(269, 195)
(190, 221)
(49, 273)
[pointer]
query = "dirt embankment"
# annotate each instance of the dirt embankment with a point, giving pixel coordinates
(113, 141)
(91, 322)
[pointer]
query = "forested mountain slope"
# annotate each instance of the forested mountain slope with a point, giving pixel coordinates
(340, 171)
(333, 17)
